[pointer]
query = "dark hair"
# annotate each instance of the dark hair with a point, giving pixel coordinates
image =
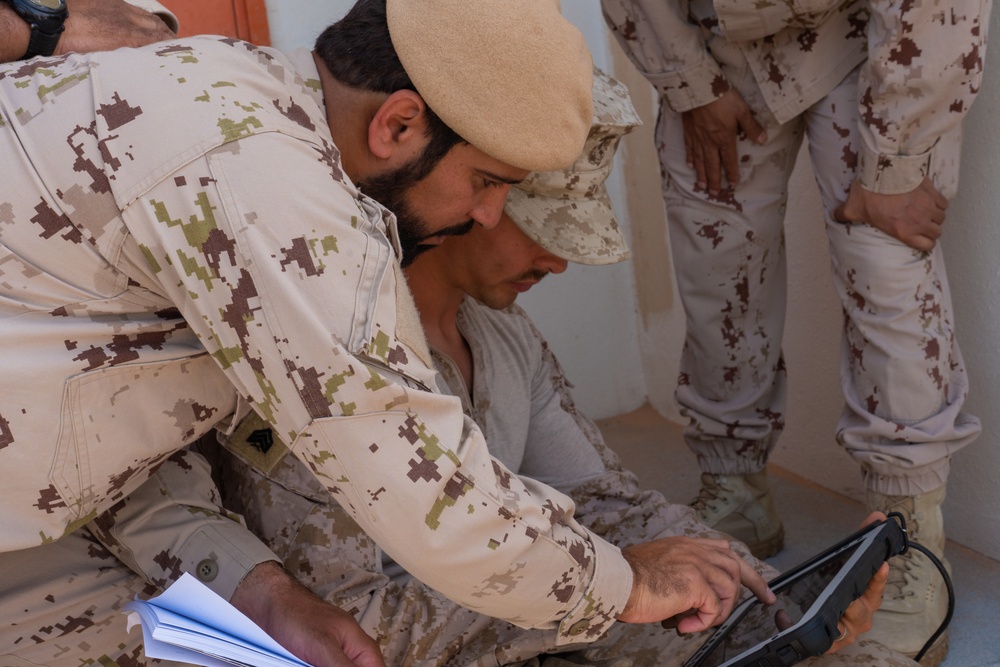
(359, 53)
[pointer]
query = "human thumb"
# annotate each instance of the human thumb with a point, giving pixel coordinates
(754, 130)
(839, 215)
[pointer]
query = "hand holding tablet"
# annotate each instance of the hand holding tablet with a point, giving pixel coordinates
(811, 600)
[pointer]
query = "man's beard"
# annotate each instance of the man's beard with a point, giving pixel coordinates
(390, 189)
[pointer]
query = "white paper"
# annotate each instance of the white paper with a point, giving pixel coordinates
(190, 623)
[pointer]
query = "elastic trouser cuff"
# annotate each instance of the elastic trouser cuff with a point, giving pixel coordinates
(912, 482)
(732, 457)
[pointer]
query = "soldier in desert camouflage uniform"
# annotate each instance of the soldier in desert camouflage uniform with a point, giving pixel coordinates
(879, 89)
(189, 233)
(495, 361)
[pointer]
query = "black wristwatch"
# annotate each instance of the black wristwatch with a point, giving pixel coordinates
(47, 19)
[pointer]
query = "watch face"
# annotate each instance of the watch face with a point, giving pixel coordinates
(49, 4)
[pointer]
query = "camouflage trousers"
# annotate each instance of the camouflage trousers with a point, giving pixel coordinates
(61, 605)
(417, 627)
(902, 374)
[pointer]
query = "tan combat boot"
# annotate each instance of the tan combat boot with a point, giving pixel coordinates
(915, 599)
(742, 507)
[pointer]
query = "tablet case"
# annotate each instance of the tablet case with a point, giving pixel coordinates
(815, 633)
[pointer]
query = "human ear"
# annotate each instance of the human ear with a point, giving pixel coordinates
(399, 125)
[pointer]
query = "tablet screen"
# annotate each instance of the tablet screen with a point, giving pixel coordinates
(762, 622)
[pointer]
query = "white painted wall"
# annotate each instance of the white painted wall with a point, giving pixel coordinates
(617, 330)
(295, 24)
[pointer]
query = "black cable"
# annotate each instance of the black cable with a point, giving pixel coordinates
(907, 545)
(951, 597)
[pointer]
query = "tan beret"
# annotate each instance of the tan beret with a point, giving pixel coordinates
(511, 77)
(568, 211)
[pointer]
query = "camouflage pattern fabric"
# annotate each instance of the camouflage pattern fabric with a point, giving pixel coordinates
(63, 607)
(568, 211)
(530, 419)
(62, 601)
(903, 377)
(178, 238)
(798, 51)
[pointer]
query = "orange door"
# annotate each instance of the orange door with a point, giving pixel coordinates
(245, 19)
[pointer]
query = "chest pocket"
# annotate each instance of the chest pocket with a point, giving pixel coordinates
(118, 424)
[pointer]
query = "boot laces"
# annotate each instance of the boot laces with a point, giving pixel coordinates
(901, 575)
(902, 569)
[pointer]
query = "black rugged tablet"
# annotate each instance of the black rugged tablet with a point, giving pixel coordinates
(811, 599)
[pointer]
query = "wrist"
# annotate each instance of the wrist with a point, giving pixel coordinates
(629, 610)
(16, 34)
(253, 595)
(45, 20)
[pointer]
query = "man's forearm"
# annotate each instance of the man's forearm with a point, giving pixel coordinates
(315, 631)
(93, 25)
(14, 34)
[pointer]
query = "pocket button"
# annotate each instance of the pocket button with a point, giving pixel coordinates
(207, 570)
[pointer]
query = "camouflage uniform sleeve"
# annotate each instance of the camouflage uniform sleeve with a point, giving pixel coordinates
(663, 43)
(294, 296)
(924, 68)
(175, 523)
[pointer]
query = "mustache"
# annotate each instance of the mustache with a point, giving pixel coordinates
(534, 275)
(415, 249)
(460, 229)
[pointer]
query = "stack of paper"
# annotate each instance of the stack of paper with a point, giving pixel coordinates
(190, 623)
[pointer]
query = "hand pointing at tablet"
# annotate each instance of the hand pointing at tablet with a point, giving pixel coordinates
(696, 579)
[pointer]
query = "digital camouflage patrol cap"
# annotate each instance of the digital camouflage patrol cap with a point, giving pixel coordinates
(511, 77)
(568, 211)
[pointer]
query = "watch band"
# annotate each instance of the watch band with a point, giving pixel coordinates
(42, 43)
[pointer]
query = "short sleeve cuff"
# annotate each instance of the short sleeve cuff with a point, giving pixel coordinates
(603, 601)
(893, 174)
